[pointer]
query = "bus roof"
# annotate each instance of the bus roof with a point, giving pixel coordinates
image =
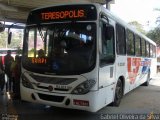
(101, 8)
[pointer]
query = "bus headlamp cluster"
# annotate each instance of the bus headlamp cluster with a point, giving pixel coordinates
(84, 87)
(26, 82)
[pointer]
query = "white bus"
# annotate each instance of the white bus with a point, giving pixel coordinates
(81, 56)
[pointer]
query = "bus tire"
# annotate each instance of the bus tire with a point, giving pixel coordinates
(148, 79)
(118, 93)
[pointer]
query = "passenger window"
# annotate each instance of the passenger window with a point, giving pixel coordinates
(130, 43)
(143, 48)
(121, 40)
(138, 46)
(147, 49)
(108, 54)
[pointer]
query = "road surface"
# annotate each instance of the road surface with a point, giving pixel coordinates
(143, 101)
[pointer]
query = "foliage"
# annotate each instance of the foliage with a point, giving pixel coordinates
(3, 39)
(158, 18)
(31, 53)
(155, 35)
(137, 26)
(15, 42)
(19, 52)
(152, 34)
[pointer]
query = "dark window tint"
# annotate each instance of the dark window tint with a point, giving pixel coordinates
(121, 41)
(138, 45)
(147, 49)
(130, 43)
(108, 53)
(143, 47)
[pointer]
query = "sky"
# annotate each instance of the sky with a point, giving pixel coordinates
(142, 11)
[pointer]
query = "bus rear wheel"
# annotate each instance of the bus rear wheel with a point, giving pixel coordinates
(148, 79)
(118, 94)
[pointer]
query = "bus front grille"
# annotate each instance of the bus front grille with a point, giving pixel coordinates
(53, 80)
(51, 98)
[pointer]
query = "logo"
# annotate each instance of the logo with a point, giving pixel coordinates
(137, 65)
(133, 68)
(146, 65)
(55, 66)
(50, 88)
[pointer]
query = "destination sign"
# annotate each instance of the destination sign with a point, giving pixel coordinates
(39, 60)
(63, 13)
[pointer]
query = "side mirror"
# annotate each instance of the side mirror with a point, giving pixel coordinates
(9, 37)
(2, 27)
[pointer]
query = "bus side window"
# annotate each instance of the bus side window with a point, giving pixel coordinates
(130, 43)
(120, 39)
(108, 54)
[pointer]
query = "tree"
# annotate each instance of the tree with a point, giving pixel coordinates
(3, 39)
(137, 26)
(16, 39)
(154, 35)
(158, 18)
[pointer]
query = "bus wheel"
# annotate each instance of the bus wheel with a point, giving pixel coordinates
(148, 79)
(118, 94)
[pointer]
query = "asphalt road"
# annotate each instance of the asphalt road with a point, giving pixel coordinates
(143, 101)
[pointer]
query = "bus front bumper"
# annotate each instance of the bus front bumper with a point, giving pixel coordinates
(85, 102)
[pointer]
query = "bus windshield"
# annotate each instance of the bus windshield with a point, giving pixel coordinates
(61, 48)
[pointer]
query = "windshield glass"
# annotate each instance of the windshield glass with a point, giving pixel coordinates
(61, 48)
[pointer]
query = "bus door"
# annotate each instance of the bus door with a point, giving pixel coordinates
(107, 59)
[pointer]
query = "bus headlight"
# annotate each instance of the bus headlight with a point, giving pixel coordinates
(84, 87)
(26, 82)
